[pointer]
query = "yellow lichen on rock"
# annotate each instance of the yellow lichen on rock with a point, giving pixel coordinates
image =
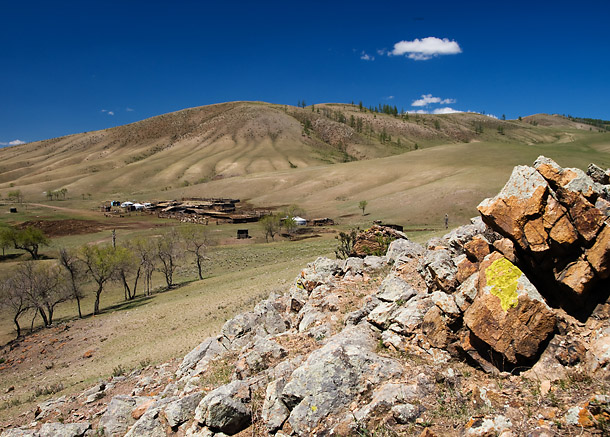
(502, 277)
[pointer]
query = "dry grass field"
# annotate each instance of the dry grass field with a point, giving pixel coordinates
(269, 156)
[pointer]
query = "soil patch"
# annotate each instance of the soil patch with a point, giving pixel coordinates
(61, 228)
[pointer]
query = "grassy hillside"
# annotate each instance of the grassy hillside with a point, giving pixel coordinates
(231, 140)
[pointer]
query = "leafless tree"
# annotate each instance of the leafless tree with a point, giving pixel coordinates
(145, 251)
(43, 286)
(197, 242)
(168, 252)
(75, 270)
(14, 301)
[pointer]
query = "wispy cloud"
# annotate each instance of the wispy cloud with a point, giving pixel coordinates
(366, 57)
(426, 48)
(12, 143)
(108, 112)
(129, 109)
(427, 99)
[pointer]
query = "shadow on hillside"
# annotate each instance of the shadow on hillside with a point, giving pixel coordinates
(129, 304)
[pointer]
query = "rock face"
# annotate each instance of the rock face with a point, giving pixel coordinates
(560, 237)
(508, 313)
(390, 342)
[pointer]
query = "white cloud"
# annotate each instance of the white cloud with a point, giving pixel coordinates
(390, 98)
(366, 57)
(418, 111)
(129, 109)
(427, 99)
(426, 48)
(108, 112)
(446, 110)
(12, 143)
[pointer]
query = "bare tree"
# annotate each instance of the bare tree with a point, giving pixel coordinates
(43, 287)
(145, 251)
(197, 242)
(168, 252)
(127, 265)
(14, 301)
(74, 268)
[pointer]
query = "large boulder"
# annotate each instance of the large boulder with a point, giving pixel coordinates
(117, 418)
(226, 408)
(333, 376)
(508, 314)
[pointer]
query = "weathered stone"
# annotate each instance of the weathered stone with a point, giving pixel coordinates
(576, 276)
(394, 288)
(483, 427)
(435, 328)
(401, 250)
(63, 429)
(439, 271)
(117, 417)
(598, 354)
(387, 396)
(209, 349)
(466, 292)
(506, 248)
(261, 354)
(477, 248)
(603, 205)
(408, 317)
(48, 407)
(225, 409)
(150, 424)
(405, 413)
(381, 316)
(333, 375)
(521, 198)
(275, 412)
(457, 238)
(181, 410)
(19, 432)
(599, 254)
(508, 313)
(139, 411)
(319, 272)
(598, 174)
(465, 269)
(587, 219)
(535, 235)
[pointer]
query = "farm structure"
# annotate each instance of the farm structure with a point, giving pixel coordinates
(206, 210)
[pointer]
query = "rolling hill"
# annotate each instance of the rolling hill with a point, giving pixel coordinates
(325, 157)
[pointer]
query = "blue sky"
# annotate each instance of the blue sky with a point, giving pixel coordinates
(76, 66)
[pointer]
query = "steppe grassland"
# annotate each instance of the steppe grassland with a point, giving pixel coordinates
(415, 189)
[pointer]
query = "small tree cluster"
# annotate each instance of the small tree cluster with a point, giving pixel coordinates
(29, 239)
(35, 288)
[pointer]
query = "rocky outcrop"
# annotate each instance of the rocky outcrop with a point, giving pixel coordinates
(459, 337)
(560, 237)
